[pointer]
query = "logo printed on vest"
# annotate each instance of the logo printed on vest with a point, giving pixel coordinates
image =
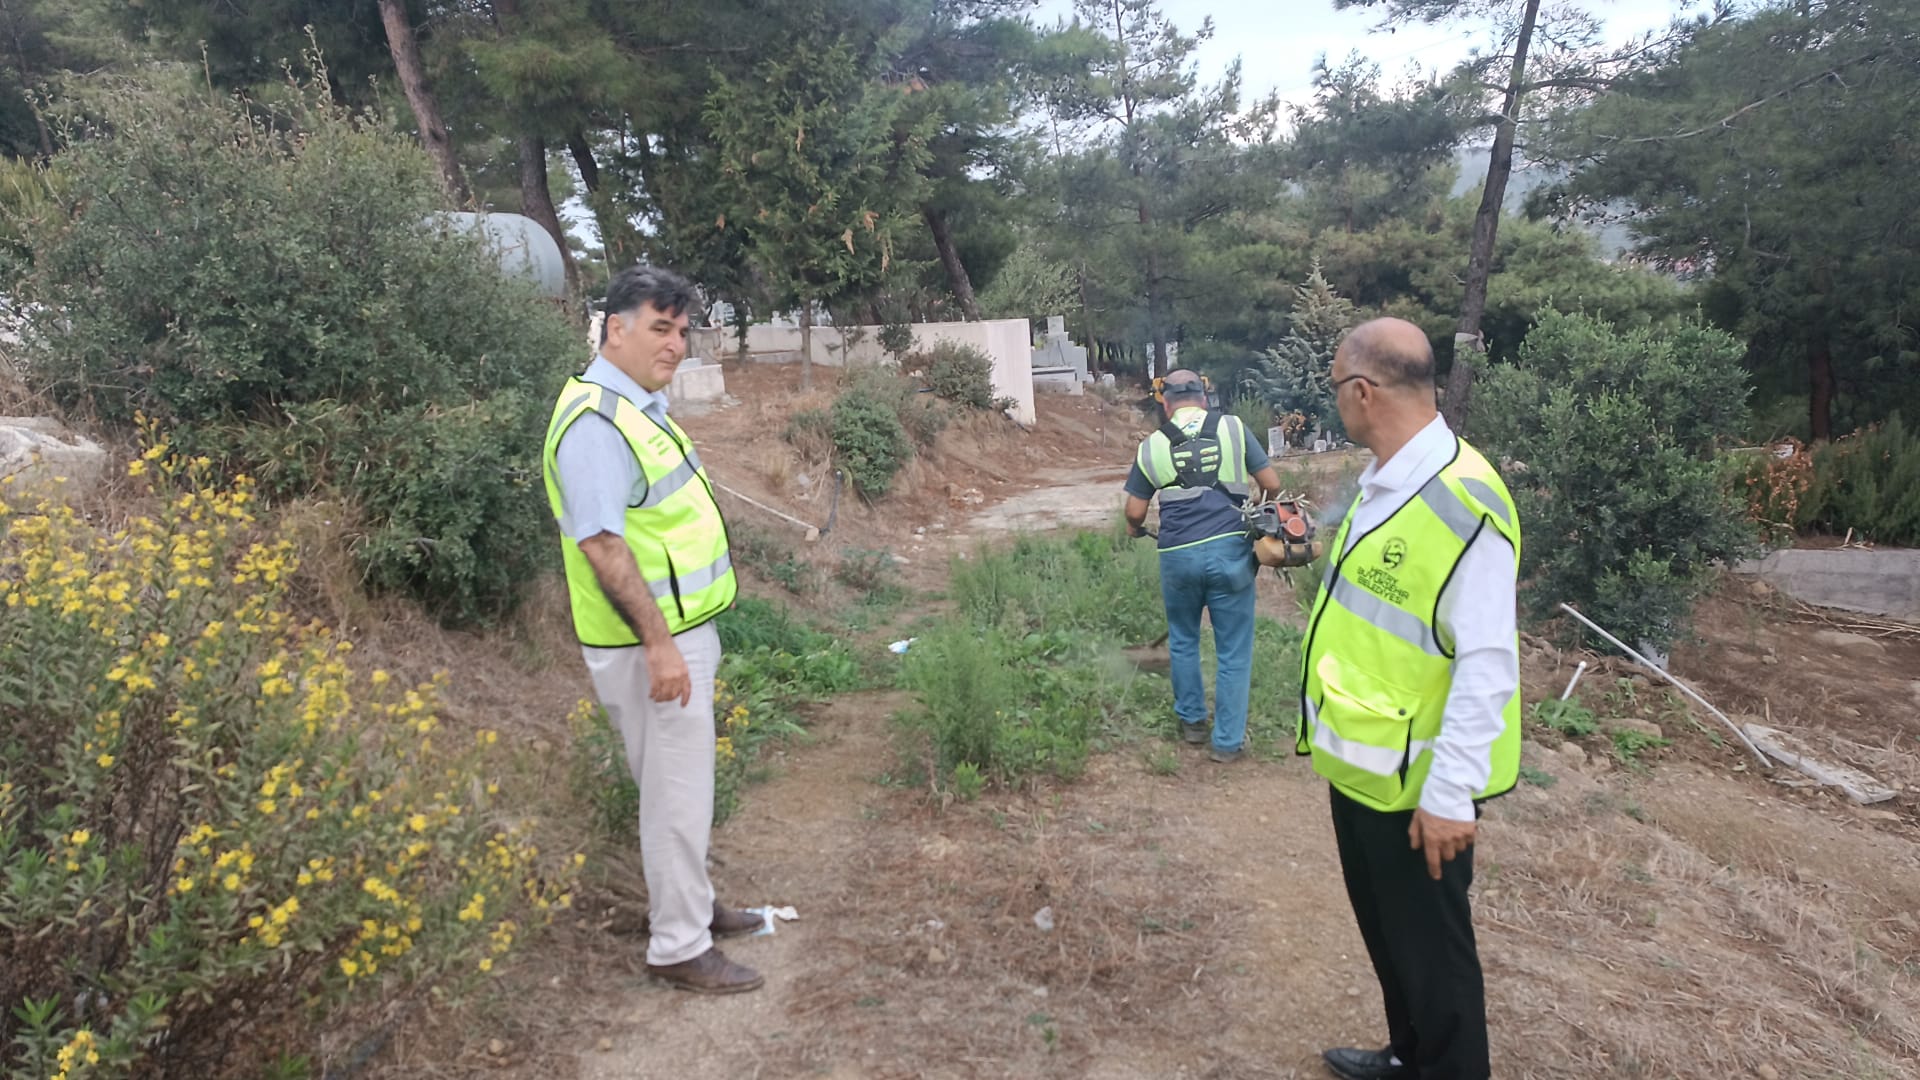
(1381, 584)
(1395, 554)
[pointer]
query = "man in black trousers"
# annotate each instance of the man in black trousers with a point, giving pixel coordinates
(1410, 700)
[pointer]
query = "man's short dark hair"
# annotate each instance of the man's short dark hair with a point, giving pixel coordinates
(641, 285)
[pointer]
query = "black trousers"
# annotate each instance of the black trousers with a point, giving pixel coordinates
(1419, 934)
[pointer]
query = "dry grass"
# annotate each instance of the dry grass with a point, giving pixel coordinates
(1616, 947)
(941, 970)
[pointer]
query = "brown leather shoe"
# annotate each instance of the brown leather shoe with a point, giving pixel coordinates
(732, 922)
(709, 973)
(727, 922)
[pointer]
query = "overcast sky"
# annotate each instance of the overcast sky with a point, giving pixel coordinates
(1279, 40)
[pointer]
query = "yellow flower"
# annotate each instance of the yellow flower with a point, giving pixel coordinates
(268, 806)
(231, 882)
(185, 884)
(418, 823)
(486, 963)
(136, 468)
(349, 967)
(105, 761)
(80, 838)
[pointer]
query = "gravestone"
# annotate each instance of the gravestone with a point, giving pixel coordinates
(1059, 364)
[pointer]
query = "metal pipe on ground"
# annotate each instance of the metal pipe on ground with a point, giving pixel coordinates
(1765, 763)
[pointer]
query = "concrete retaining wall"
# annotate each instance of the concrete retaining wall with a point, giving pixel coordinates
(1877, 582)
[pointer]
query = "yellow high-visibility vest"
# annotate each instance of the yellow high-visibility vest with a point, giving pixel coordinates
(675, 532)
(1375, 668)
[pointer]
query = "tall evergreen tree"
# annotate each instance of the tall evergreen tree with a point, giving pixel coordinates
(821, 179)
(1296, 375)
(1773, 155)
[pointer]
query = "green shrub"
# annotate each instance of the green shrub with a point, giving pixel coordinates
(967, 781)
(810, 431)
(754, 623)
(869, 439)
(958, 373)
(924, 419)
(1569, 718)
(1624, 505)
(275, 292)
(202, 803)
(988, 702)
(1629, 744)
(771, 554)
(1027, 676)
(1868, 482)
(1018, 705)
(873, 574)
(1104, 584)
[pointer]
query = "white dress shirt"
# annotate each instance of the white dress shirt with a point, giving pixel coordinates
(1476, 618)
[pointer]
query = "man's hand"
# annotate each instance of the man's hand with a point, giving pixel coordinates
(1442, 839)
(667, 676)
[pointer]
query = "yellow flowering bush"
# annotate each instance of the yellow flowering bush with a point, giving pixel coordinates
(212, 826)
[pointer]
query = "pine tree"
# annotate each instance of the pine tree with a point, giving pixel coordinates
(1296, 375)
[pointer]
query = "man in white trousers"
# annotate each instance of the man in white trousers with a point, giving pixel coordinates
(648, 571)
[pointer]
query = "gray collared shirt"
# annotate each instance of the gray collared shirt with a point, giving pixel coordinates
(598, 475)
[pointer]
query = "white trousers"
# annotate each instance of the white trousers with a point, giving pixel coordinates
(670, 751)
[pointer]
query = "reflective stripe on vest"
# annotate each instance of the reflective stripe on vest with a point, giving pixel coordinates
(675, 532)
(1155, 458)
(1375, 670)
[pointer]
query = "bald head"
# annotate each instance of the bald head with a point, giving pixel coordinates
(1391, 352)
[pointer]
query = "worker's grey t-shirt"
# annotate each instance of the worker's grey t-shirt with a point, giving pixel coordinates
(1212, 515)
(598, 475)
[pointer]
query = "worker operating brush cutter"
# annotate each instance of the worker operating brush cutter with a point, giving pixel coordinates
(1202, 466)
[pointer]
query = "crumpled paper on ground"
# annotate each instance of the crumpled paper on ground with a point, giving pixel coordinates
(770, 917)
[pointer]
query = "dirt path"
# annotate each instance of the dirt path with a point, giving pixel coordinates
(1629, 926)
(1085, 498)
(1197, 928)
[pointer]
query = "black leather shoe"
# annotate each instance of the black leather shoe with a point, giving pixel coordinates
(1350, 1064)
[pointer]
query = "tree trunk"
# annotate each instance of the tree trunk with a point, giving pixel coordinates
(1469, 345)
(956, 270)
(1158, 366)
(1086, 321)
(583, 160)
(426, 110)
(1820, 391)
(536, 201)
(806, 345)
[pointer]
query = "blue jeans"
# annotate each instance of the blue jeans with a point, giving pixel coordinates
(1217, 575)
